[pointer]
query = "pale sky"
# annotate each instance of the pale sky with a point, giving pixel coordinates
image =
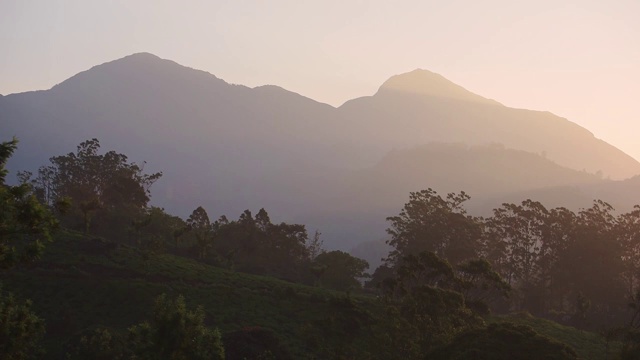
(577, 59)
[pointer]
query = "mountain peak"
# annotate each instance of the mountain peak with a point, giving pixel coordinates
(141, 57)
(139, 68)
(426, 83)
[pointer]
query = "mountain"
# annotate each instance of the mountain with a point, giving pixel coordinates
(181, 121)
(487, 173)
(421, 107)
(230, 147)
(429, 84)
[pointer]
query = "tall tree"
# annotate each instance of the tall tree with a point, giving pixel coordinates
(103, 186)
(256, 245)
(199, 225)
(423, 295)
(516, 241)
(430, 223)
(592, 260)
(25, 224)
(629, 238)
(516, 238)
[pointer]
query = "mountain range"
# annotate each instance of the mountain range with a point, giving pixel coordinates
(341, 170)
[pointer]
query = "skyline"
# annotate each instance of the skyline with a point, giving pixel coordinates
(577, 60)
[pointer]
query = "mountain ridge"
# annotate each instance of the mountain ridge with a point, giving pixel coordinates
(398, 117)
(231, 147)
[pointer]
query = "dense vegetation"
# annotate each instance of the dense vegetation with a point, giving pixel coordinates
(123, 280)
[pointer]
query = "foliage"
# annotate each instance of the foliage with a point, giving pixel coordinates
(430, 223)
(83, 282)
(25, 224)
(336, 335)
(629, 334)
(480, 285)
(21, 331)
(256, 245)
(99, 344)
(503, 341)
(339, 270)
(156, 230)
(559, 262)
(588, 345)
(106, 191)
(175, 333)
(425, 303)
(516, 240)
(254, 343)
(200, 226)
(422, 294)
(315, 246)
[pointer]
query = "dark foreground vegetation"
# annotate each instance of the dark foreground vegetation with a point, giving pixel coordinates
(109, 277)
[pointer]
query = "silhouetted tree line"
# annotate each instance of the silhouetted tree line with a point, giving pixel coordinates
(108, 197)
(446, 271)
(581, 269)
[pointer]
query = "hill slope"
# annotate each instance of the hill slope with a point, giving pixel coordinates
(85, 282)
(82, 283)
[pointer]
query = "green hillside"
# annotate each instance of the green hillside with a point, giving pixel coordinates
(588, 345)
(81, 283)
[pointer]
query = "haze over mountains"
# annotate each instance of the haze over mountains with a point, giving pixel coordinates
(341, 170)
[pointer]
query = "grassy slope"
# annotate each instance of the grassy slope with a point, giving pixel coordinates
(588, 345)
(82, 283)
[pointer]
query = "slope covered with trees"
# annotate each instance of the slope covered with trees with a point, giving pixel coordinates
(146, 284)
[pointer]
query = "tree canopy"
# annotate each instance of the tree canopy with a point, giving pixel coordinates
(25, 224)
(106, 190)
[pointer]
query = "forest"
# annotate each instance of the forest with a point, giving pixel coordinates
(90, 270)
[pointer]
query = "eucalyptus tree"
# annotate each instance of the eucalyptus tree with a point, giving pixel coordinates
(429, 222)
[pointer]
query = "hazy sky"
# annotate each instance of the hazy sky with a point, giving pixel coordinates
(577, 59)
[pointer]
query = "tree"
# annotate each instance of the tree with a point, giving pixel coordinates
(339, 270)
(99, 344)
(175, 333)
(423, 294)
(430, 223)
(256, 245)
(480, 285)
(630, 333)
(315, 246)
(105, 187)
(25, 224)
(199, 225)
(592, 260)
(516, 241)
(21, 331)
(629, 227)
(334, 336)
(156, 230)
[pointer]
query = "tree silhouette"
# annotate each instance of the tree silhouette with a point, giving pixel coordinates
(430, 223)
